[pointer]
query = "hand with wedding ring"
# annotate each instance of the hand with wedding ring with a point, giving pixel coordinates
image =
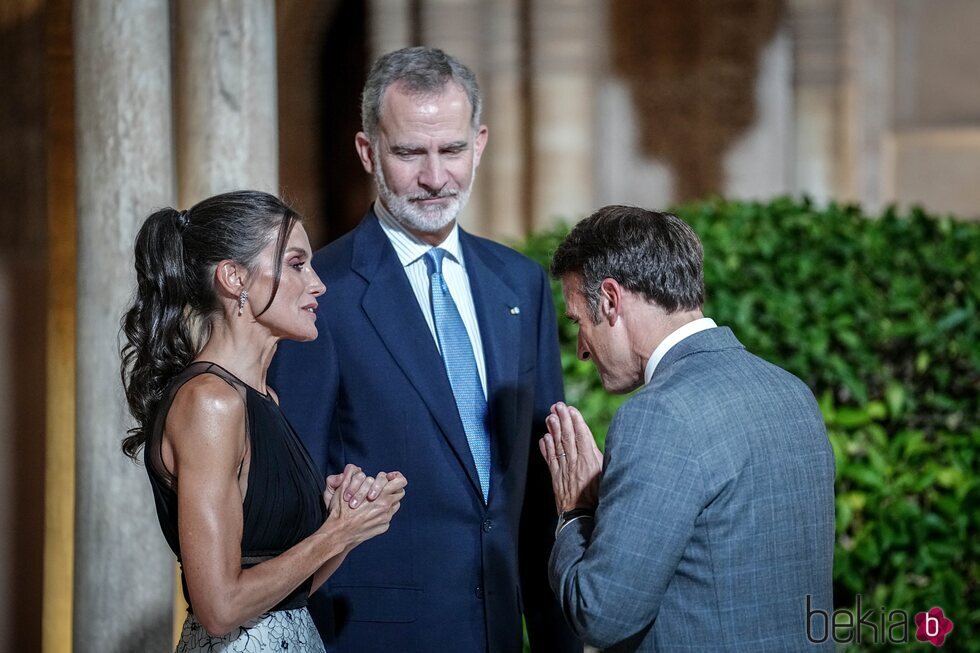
(573, 459)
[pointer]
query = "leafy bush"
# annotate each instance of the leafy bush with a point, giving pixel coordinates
(879, 317)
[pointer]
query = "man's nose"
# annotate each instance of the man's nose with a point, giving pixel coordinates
(433, 176)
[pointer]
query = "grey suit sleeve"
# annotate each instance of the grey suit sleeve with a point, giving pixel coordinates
(610, 576)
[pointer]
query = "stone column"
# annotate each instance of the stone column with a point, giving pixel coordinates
(456, 26)
(125, 168)
(869, 98)
(389, 27)
(502, 172)
(59, 468)
(227, 119)
(817, 41)
(562, 96)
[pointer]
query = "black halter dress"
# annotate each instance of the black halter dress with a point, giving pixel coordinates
(282, 506)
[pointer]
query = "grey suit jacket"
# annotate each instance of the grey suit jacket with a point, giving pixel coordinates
(716, 512)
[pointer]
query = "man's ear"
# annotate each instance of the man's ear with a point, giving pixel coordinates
(362, 144)
(610, 300)
(479, 143)
(229, 278)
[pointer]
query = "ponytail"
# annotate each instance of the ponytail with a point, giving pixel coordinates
(176, 255)
(159, 343)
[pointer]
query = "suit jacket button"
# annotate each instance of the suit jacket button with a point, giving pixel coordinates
(487, 525)
(479, 592)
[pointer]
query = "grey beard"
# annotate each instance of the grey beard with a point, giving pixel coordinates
(409, 215)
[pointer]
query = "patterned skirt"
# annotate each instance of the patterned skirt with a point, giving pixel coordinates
(286, 630)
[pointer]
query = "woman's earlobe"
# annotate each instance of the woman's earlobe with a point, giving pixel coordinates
(229, 278)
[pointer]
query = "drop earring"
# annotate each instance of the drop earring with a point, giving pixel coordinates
(242, 298)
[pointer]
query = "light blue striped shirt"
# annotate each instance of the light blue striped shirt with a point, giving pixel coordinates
(411, 252)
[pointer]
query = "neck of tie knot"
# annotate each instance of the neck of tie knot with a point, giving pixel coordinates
(433, 259)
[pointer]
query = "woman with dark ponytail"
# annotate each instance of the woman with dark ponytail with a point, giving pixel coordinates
(254, 526)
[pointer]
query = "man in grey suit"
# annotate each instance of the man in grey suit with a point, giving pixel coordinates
(709, 523)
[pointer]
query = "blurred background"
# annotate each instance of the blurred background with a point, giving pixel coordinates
(111, 108)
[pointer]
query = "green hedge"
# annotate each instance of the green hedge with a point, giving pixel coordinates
(879, 316)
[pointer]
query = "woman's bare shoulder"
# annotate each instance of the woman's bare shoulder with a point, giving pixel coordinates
(206, 407)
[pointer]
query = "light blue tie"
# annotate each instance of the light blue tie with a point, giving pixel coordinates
(457, 356)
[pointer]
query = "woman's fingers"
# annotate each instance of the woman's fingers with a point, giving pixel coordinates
(398, 483)
(360, 492)
(376, 498)
(336, 501)
(352, 477)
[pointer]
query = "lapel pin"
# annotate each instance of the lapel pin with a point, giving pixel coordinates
(515, 310)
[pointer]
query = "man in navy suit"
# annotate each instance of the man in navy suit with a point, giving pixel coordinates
(447, 388)
(709, 523)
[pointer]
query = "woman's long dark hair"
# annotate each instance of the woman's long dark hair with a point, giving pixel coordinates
(176, 255)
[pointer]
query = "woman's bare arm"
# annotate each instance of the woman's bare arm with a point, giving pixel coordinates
(204, 445)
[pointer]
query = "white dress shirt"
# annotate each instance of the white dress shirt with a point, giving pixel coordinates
(411, 252)
(675, 337)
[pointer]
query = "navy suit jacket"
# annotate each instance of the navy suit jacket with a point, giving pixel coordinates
(715, 524)
(372, 390)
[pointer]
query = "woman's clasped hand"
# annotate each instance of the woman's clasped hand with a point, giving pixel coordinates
(360, 505)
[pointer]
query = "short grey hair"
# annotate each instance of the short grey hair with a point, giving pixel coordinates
(654, 254)
(422, 71)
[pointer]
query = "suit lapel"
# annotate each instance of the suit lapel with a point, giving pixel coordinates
(500, 332)
(390, 305)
